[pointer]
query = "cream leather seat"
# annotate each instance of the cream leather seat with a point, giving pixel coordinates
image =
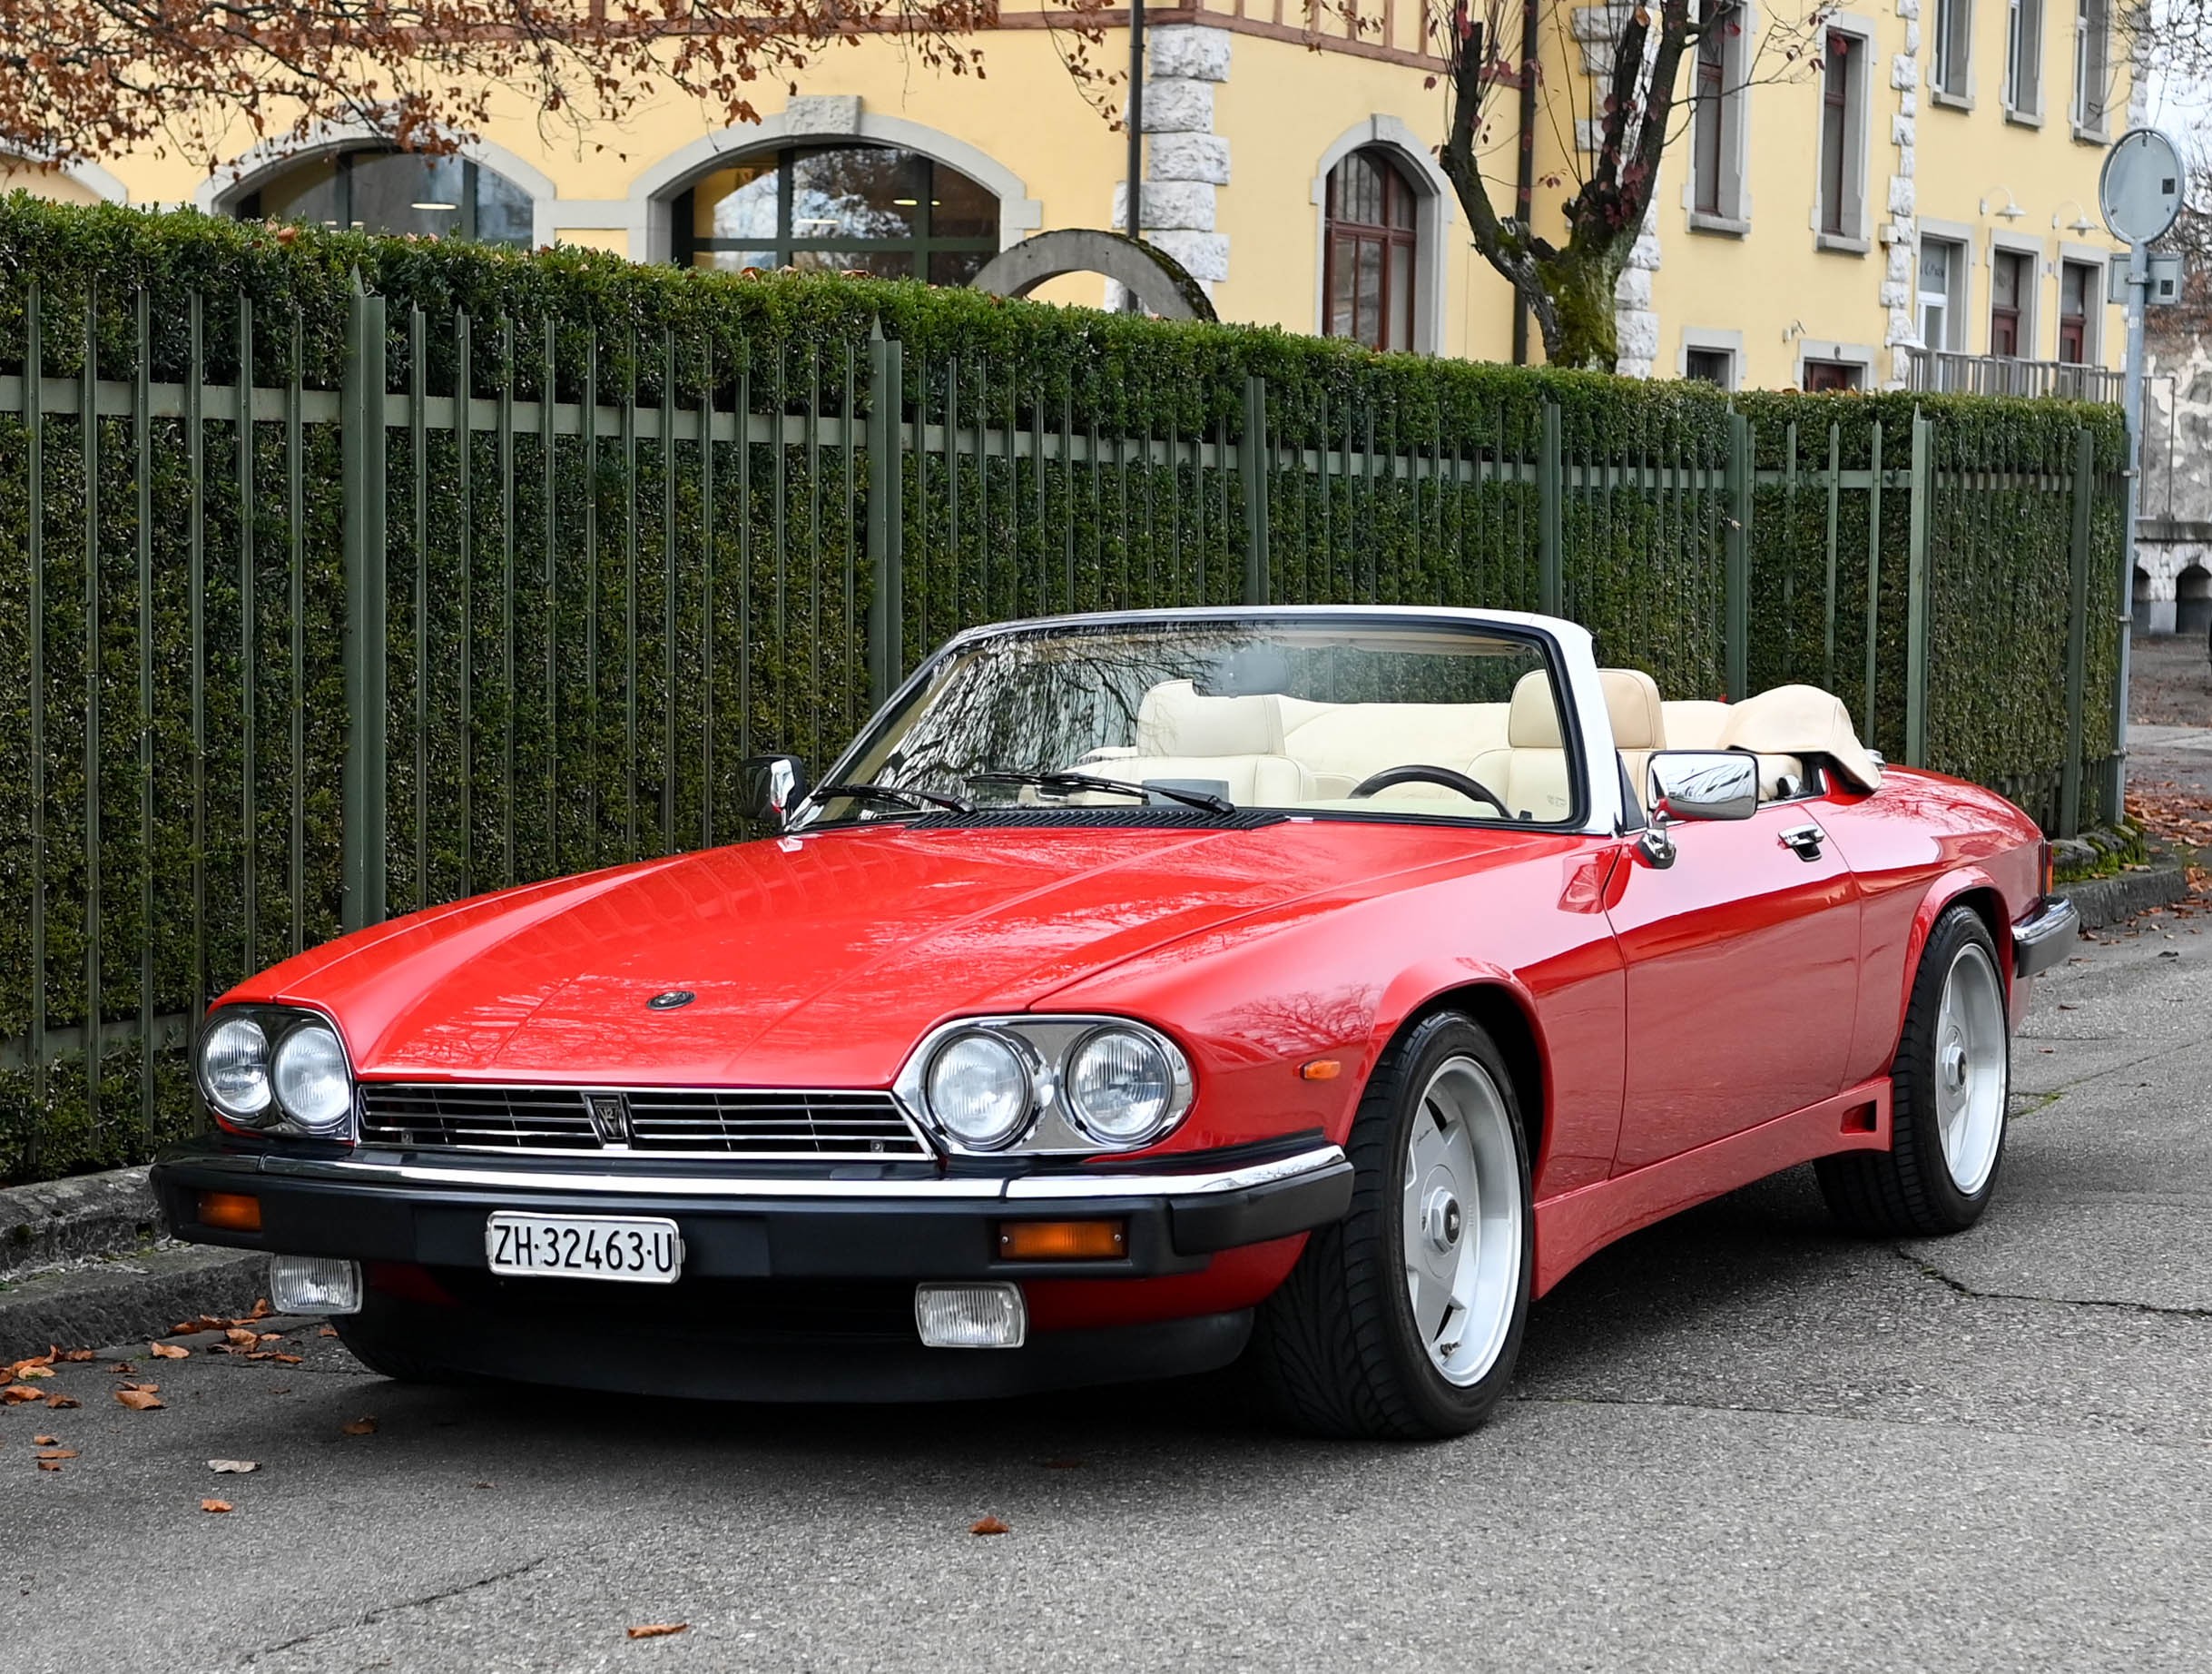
(1350, 741)
(1182, 734)
(1530, 771)
(1638, 718)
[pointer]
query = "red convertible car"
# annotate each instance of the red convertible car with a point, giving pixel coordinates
(1139, 993)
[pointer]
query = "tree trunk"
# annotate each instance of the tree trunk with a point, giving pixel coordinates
(1581, 330)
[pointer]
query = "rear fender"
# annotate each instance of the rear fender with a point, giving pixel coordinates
(1941, 894)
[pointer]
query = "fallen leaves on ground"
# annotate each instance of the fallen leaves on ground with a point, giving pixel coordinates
(74, 1355)
(214, 1506)
(56, 1452)
(989, 1525)
(49, 1464)
(16, 1394)
(359, 1426)
(658, 1629)
(59, 1399)
(138, 1400)
(327, 1331)
(46, 1440)
(169, 1351)
(232, 1467)
(238, 1337)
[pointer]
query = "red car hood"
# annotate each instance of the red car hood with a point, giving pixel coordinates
(816, 961)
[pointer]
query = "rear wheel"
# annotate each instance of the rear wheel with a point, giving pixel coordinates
(1404, 1319)
(1950, 1084)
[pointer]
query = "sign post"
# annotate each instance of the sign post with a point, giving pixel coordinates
(2140, 191)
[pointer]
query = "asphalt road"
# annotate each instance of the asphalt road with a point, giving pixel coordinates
(1738, 1441)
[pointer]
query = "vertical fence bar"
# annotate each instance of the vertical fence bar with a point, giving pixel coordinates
(1549, 580)
(295, 515)
(548, 460)
(249, 651)
(142, 436)
(88, 432)
(2077, 634)
(590, 398)
(1736, 549)
(362, 407)
(419, 458)
(707, 386)
(1835, 491)
(464, 382)
(629, 603)
(33, 420)
(195, 582)
(1252, 461)
(1788, 547)
(1916, 599)
(886, 379)
(1874, 571)
(668, 591)
(506, 597)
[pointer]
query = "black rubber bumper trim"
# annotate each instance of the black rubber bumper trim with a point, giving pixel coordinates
(748, 1237)
(2043, 938)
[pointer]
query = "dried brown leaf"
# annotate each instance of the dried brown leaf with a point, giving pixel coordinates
(16, 1394)
(284, 1359)
(56, 1452)
(359, 1426)
(169, 1351)
(658, 1629)
(327, 1331)
(46, 1440)
(989, 1525)
(49, 1464)
(74, 1354)
(57, 1398)
(214, 1506)
(137, 1399)
(240, 1338)
(34, 1369)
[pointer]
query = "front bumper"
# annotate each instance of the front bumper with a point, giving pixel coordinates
(2043, 937)
(400, 1207)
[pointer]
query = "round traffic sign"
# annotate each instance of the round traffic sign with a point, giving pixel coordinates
(2140, 188)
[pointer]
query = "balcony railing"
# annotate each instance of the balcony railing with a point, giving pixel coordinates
(1939, 372)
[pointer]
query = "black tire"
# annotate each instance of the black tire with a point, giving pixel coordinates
(1335, 1349)
(1907, 1191)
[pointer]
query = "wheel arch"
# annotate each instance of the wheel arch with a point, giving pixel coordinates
(1968, 887)
(1505, 1014)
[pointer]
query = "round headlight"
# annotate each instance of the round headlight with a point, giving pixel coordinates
(1121, 1086)
(310, 1078)
(979, 1091)
(234, 1067)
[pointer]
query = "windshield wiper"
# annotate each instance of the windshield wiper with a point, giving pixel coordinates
(893, 793)
(1092, 782)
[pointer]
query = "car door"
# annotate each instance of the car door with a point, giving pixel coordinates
(1741, 978)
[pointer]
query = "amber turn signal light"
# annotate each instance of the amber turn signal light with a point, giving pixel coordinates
(1063, 1240)
(1319, 1069)
(231, 1211)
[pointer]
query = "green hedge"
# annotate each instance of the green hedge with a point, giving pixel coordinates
(629, 615)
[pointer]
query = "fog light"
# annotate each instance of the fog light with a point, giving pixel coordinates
(231, 1211)
(314, 1284)
(970, 1315)
(1063, 1240)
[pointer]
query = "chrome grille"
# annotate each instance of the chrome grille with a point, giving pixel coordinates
(698, 1122)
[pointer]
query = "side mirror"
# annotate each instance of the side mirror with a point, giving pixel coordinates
(1697, 785)
(773, 785)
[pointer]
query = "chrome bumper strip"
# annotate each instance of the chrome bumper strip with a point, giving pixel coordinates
(371, 1171)
(2040, 940)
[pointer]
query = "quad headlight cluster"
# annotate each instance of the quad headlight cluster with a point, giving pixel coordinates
(1034, 1085)
(279, 1070)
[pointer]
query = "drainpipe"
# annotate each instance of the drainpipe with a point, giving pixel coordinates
(1133, 220)
(1524, 178)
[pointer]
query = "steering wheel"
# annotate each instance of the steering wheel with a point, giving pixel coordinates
(1417, 773)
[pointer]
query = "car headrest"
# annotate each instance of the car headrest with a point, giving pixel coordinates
(1174, 719)
(1801, 720)
(1632, 702)
(1532, 722)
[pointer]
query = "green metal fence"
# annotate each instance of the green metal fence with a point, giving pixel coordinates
(545, 620)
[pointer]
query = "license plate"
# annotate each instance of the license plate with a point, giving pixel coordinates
(584, 1246)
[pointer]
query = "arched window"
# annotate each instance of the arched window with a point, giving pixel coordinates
(396, 192)
(898, 214)
(1370, 250)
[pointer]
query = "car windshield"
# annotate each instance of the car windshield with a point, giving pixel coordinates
(1326, 717)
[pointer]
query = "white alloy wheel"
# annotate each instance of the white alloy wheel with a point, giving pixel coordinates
(1462, 1238)
(1971, 1068)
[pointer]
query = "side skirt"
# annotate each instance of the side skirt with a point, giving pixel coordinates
(1576, 1225)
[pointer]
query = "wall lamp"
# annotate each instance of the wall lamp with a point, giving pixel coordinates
(2010, 209)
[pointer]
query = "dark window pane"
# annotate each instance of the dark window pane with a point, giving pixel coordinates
(734, 260)
(1366, 316)
(1400, 323)
(502, 210)
(961, 209)
(308, 193)
(1342, 257)
(1707, 366)
(393, 192)
(880, 264)
(956, 267)
(857, 192)
(738, 203)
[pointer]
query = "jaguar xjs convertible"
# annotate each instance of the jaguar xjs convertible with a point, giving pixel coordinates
(1140, 993)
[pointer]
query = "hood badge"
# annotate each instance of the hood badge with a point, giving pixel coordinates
(669, 1001)
(610, 1117)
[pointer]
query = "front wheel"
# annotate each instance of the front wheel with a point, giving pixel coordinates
(1404, 1319)
(1949, 1089)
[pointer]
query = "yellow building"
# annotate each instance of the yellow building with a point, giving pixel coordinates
(1922, 179)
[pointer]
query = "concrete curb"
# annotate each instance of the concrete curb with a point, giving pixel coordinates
(130, 1297)
(91, 1215)
(2109, 901)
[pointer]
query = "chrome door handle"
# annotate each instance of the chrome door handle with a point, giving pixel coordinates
(1804, 841)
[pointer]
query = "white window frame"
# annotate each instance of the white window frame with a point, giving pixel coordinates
(1712, 341)
(2099, 262)
(2089, 30)
(1855, 239)
(1861, 355)
(1960, 242)
(2025, 50)
(1733, 219)
(2031, 300)
(1952, 21)
(1434, 199)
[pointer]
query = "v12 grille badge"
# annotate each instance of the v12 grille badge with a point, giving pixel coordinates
(669, 1001)
(610, 1117)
